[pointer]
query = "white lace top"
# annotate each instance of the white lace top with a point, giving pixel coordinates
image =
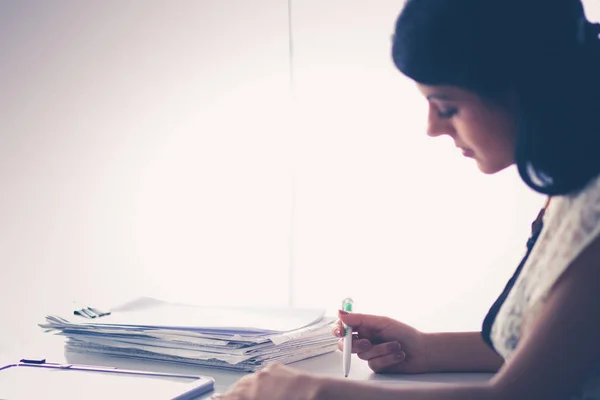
(571, 223)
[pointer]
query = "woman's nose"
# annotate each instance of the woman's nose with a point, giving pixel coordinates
(434, 131)
(437, 126)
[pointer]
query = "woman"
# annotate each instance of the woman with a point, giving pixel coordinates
(512, 81)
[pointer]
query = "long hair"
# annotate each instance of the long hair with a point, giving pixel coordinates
(545, 52)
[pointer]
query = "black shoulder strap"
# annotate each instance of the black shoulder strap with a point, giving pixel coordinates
(536, 228)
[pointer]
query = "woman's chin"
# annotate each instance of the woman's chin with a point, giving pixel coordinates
(490, 169)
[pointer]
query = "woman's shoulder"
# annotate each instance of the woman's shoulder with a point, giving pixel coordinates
(574, 219)
(572, 222)
(590, 193)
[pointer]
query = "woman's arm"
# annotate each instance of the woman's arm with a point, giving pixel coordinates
(356, 390)
(554, 356)
(460, 352)
(390, 346)
(562, 346)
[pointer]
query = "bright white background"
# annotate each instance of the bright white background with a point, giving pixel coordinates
(157, 148)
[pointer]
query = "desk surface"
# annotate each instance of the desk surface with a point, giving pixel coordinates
(34, 343)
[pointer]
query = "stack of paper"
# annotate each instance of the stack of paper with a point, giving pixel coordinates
(242, 339)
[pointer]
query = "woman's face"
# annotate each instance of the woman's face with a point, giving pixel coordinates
(483, 130)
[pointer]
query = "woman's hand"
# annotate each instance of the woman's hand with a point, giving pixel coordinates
(274, 382)
(388, 345)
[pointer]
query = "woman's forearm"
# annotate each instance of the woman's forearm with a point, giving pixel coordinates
(355, 390)
(460, 352)
(447, 352)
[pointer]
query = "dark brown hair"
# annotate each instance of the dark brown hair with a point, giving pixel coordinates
(546, 52)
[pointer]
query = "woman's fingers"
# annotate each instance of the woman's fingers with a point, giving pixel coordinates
(380, 350)
(383, 363)
(338, 329)
(383, 356)
(380, 356)
(358, 345)
(366, 323)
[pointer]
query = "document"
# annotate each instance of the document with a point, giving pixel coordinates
(232, 338)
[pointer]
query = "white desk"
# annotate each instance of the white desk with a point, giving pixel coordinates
(34, 343)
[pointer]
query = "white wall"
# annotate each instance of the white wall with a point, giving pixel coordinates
(140, 151)
(154, 148)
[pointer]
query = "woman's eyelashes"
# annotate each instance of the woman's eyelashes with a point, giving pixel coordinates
(447, 113)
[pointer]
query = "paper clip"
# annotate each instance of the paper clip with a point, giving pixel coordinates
(90, 312)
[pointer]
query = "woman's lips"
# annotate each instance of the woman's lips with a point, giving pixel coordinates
(468, 153)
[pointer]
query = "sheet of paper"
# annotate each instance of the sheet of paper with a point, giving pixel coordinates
(175, 355)
(154, 313)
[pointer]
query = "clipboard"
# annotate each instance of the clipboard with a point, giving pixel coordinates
(38, 379)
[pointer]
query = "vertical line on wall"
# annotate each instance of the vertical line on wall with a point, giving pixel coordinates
(290, 43)
(292, 233)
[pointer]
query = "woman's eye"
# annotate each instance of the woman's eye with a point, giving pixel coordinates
(446, 114)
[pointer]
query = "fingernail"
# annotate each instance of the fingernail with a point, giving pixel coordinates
(338, 332)
(394, 346)
(343, 312)
(401, 355)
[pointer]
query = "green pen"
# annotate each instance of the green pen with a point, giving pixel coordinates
(347, 306)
